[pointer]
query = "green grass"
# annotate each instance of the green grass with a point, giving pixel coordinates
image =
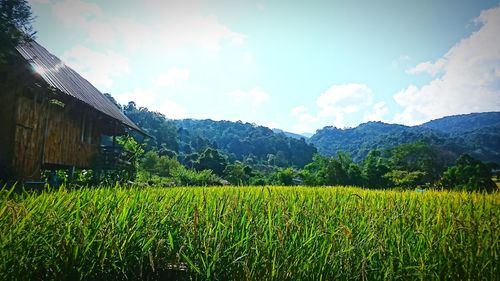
(251, 233)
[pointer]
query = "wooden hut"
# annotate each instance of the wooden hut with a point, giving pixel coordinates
(50, 116)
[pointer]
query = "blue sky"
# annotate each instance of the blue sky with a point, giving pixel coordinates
(294, 65)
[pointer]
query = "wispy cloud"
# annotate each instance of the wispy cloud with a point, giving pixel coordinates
(146, 38)
(76, 13)
(297, 111)
(98, 67)
(305, 120)
(429, 67)
(154, 101)
(341, 100)
(467, 77)
(378, 113)
(334, 106)
(162, 24)
(345, 98)
(172, 77)
(255, 97)
(401, 60)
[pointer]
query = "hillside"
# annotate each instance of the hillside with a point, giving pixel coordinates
(237, 140)
(242, 141)
(462, 123)
(477, 134)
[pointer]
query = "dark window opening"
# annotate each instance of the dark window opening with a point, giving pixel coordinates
(86, 131)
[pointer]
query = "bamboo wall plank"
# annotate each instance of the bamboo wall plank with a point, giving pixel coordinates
(56, 141)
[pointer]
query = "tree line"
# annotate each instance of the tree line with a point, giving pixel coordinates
(207, 152)
(414, 165)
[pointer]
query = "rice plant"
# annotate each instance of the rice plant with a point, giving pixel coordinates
(248, 233)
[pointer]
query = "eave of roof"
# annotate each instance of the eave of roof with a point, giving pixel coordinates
(58, 75)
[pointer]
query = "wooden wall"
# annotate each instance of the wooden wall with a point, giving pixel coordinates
(36, 133)
(7, 124)
(64, 144)
(47, 134)
(28, 138)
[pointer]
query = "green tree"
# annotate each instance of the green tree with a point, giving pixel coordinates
(286, 176)
(189, 177)
(405, 178)
(237, 173)
(338, 170)
(131, 153)
(354, 175)
(15, 25)
(414, 157)
(334, 173)
(468, 174)
(132, 150)
(281, 159)
(374, 169)
(149, 163)
(313, 173)
(167, 166)
(211, 159)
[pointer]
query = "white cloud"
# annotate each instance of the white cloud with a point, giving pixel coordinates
(469, 79)
(256, 97)
(299, 110)
(134, 34)
(162, 24)
(98, 68)
(333, 106)
(154, 101)
(401, 60)
(306, 122)
(180, 23)
(101, 27)
(378, 112)
(76, 13)
(271, 124)
(429, 67)
(172, 110)
(301, 128)
(172, 77)
(344, 99)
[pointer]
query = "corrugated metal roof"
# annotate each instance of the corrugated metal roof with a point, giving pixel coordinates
(60, 76)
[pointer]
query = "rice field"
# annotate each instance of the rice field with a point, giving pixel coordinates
(248, 233)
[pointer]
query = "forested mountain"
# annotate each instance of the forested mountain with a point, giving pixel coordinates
(360, 140)
(245, 141)
(237, 140)
(477, 134)
(462, 123)
(373, 154)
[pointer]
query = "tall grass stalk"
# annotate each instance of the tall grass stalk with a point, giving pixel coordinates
(248, 233)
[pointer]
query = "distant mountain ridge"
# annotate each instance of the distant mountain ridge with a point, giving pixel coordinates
(463, 122)
(292, 135)
(245, 141)
(477, 134)
(185, 139)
